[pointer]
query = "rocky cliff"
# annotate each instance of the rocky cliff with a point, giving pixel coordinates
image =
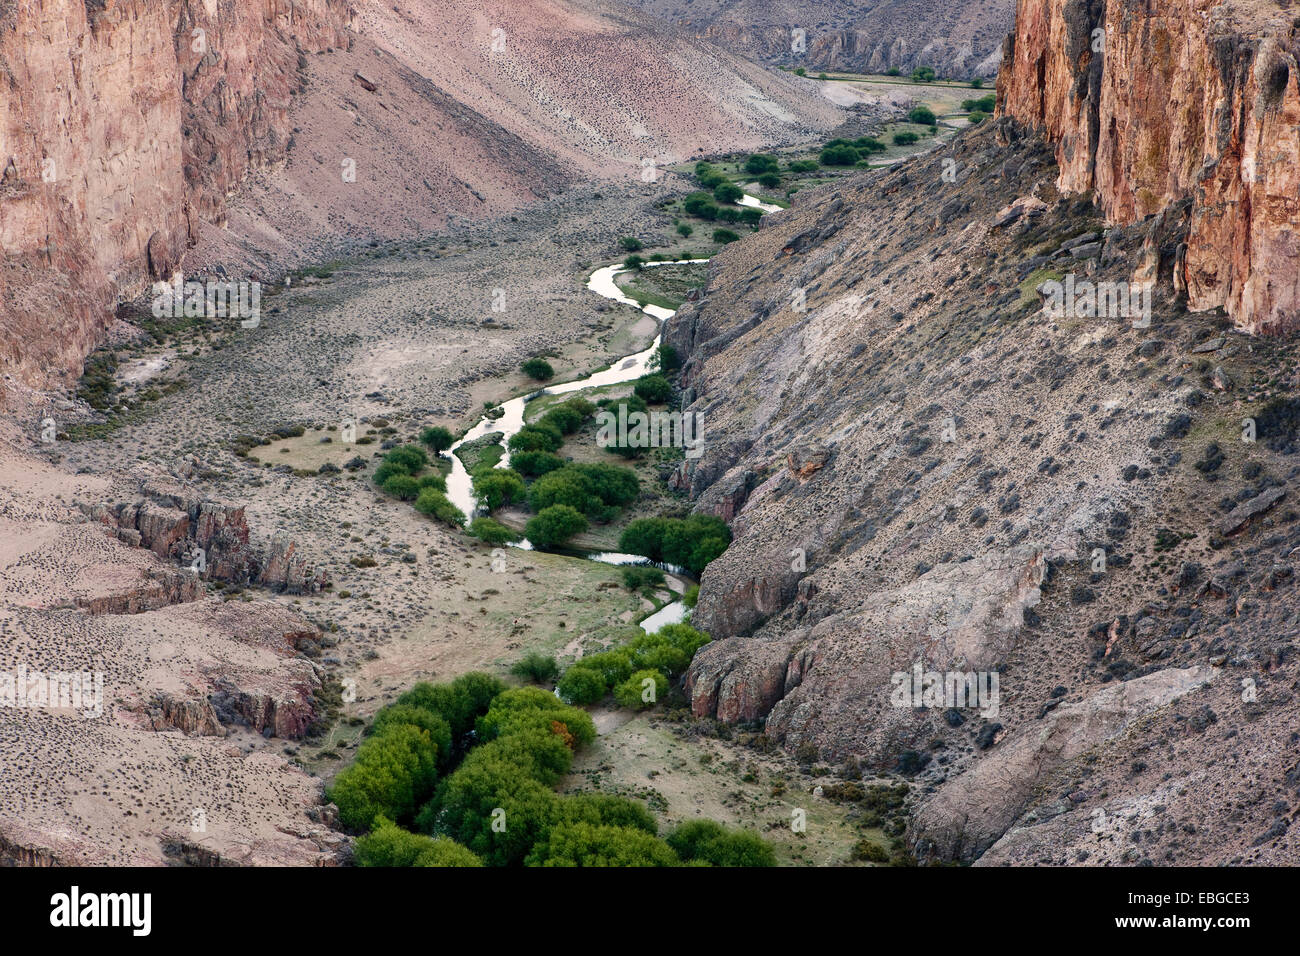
(123, 123)
(1150, 104)
(958, 38)
(926, 468)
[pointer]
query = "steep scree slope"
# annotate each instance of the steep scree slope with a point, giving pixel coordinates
(950, 459)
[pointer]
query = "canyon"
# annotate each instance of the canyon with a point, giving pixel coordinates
(921, 462)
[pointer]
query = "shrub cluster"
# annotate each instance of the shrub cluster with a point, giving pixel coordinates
(690, 542)
(663, 655)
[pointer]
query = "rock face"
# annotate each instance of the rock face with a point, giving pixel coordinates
(1150, 104)
(927, 470)
(162, 107)
(967, 815)
(959, 39)
(172, 522)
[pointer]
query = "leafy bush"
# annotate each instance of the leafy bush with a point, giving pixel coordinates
(977, 117)
(760, 163)
(637, 577)
(394, 771)
(433, 480)
(554, 525)
(436, 438)
(459, 702)
(688, 542)
(692, 596)
(390, 845)
(728, 193)
(497, 487)
(536, 667)
(923, 74)
(410, 457)
(580, 685)
(653, 389)
(922, 115)
(711, 842)
(724, 236)
(701, 204)
(581, 844)
(985, 104)
(770, 180)
(684, 230)
(435, 725)
(843, 155)
(529, 709)
(402, 487)
(534, 464)
(632, 692)
(905, 138)
(538, 368)
(432, 503)
(492, 532)
(541, 436)
(596, 490)
(869, 144)
(631, 244)
(635, 263)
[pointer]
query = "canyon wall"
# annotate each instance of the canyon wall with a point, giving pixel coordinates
(122, 124)
(1149, 104)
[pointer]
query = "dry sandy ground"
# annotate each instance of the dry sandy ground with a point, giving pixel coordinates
(118, 784)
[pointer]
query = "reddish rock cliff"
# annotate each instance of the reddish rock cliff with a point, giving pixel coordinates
(1151, 104)
(100, 96)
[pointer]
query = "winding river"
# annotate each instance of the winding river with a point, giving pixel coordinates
(603, 282)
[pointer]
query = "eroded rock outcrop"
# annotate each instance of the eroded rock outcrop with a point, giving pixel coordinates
(968, 814)
(1151, 104)
(175, 523)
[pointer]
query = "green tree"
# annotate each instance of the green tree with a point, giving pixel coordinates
(728, 193)
(631, 244)
(760, 163)
(402, 487)
(436, 438)
(582, 685)
(653, 389)
(643, 689)
(581, 844)
(634, 263)
(536, 667)
(554, 525)
(923, 74)
(410, 457)
(923, 115)
(492, 532)
(541, 436)
(710, 842)
(843, 155)
(498, 487)
(432, 503)
(390, 845)
(538, 368)
(393, 773)
(684, 230)
(534, 464)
